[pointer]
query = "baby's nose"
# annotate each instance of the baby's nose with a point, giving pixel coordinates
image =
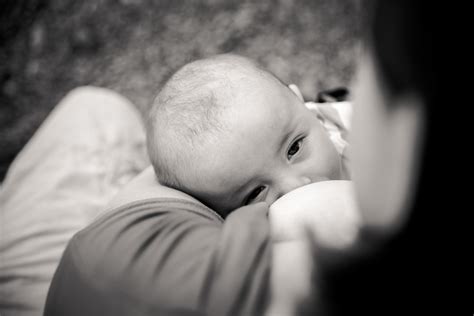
(292, 183)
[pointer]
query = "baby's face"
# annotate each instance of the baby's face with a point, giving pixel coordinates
(271, 144)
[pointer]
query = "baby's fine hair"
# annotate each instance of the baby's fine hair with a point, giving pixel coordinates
(186, 113)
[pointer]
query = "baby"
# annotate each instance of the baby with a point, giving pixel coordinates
(229, 133)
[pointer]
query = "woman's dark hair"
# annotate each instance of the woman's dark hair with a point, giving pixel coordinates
(404, 275)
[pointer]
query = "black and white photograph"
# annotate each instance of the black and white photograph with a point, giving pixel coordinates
(231, 157)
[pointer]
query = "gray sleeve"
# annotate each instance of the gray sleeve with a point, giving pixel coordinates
(166, 257)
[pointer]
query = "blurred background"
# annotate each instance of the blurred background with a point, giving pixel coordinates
(48, 47)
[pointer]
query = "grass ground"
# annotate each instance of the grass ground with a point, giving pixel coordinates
(48, 47)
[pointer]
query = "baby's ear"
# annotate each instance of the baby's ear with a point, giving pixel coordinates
(296, 91)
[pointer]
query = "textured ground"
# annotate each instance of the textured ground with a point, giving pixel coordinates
(48, 47)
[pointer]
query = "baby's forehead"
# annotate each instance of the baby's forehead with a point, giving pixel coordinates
(258, 93)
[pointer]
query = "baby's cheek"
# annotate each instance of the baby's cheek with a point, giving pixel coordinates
(325, 158)
(335, 165)
(331, 168)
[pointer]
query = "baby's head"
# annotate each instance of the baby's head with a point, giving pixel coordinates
(229, 133)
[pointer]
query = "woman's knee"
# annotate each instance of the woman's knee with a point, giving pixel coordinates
(91, 98)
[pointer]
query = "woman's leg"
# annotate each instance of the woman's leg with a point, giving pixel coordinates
(88, 147)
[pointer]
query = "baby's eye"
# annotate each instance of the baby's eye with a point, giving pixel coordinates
(294, 148)
(254, 194)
